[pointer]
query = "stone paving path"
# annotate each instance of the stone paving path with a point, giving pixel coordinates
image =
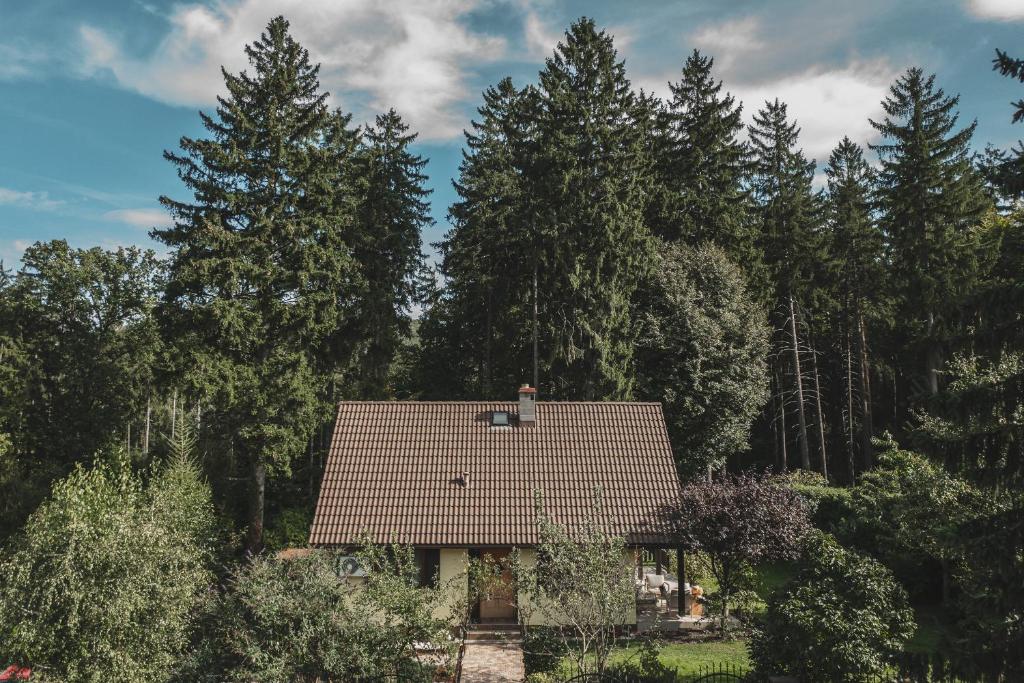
(492, 663)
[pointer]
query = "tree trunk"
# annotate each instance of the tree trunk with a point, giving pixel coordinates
(781, 399)
(489, 332)
(867, 450)
(850, 427)
(805, 456)
(174, 413)
(145, 438)
(945, 581)
(536, 323)
(254, 539)
(821, 417)
(932, 358)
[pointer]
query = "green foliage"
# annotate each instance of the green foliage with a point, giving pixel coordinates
(109, 576)
(701, 353)
(737, 522)
(842, 618)
(543, 648)
(582, 582)
(830, 507)
(554, 185)
(989, 634)
(261, 277)
(930, 197)
(289, 529)
(908, 512)
(391, 210)
(78, 358)
(300, 620)
(700, 166)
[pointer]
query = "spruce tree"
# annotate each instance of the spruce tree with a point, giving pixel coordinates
(482, 325)
(930, 197)
(856, 252)
(260, 275)
(788, 211)
(391, 211)
(592, 178)
(701, 164)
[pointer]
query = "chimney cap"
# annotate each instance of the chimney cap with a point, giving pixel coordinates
(527, 389)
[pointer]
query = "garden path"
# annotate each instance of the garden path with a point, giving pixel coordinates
(492, 663)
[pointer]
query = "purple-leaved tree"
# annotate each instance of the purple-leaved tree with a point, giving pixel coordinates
(738, 521)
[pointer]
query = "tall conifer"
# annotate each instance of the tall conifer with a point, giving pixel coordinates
(701, 165)
(592, 176)
(856, 254)
(260, 273)
(930, 196)
(781, 185)
(391, 211)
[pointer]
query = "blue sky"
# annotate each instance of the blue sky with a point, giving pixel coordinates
(91, 93)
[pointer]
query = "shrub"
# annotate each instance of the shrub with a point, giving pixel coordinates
(299, 620)
(842, 618)
(830, 507)
(109, 575)
(543, 648)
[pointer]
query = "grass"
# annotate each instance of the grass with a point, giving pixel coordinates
(685, 658)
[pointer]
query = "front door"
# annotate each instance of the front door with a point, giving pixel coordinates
(498, 602)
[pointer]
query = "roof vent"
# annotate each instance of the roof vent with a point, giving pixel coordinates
(527, 406)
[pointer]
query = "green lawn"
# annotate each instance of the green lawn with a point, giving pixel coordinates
(686, 658)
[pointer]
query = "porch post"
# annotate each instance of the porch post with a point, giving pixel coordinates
(681, 559)
(657, 561)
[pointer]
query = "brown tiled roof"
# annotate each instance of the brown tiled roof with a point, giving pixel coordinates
(394, 471)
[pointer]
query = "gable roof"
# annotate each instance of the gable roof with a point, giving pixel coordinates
(394, 471)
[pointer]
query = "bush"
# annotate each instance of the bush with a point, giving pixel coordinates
(109, 576)
(842, 618)
(830, 507)
(298, 620)
(543, 648)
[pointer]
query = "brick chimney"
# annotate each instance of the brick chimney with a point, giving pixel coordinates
(527, 406)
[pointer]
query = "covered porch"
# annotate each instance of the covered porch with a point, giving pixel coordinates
(665, 599)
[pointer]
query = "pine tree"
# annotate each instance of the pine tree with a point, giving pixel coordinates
(788, 208)
(592, 178)
(856, 253)
(391, 211)
(930, 196)
(260, 273)
(701, 165)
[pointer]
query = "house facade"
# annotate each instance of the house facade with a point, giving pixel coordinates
(460, 479)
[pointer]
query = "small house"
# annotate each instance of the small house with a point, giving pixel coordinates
(457, 479)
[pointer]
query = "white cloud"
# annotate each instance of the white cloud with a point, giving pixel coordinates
(827, 103)
(1000, 10)
(141, 218)
(731, 40)
(33, 200)
(413, 55)
(541, 38)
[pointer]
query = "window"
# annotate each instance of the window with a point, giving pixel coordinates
(428, 562)
(499, 418)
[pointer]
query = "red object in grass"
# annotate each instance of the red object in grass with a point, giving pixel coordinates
(15, 672)
(24, 674)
